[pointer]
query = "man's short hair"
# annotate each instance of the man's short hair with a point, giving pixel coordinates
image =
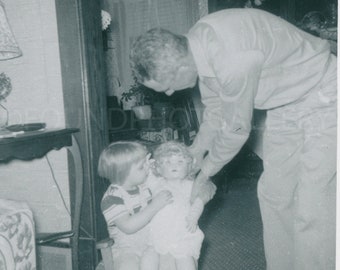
(156, 54)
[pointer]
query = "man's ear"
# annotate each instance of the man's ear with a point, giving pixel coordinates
(187, 62)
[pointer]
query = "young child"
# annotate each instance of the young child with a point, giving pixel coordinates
(174, 230)
(127, 204)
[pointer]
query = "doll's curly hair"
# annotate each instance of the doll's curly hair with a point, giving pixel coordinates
(169, 149)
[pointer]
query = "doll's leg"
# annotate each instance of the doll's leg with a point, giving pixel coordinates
(187, 263)
(149, 260)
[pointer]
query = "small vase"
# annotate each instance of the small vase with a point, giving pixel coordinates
(142, 112)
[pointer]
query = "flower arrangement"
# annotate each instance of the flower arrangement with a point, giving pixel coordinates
(5, 86)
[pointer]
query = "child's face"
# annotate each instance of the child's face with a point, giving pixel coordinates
(174, 167)
(138, 173)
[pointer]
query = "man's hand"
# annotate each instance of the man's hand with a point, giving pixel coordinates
(203, 188)
(195, 212)
(198, 158)
(197, 164)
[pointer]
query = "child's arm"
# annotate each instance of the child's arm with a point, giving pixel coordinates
(132, 223)
(195, 212)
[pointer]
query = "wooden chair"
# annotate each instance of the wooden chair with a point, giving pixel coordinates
(105, 249)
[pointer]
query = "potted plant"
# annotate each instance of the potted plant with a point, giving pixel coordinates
(143, 98)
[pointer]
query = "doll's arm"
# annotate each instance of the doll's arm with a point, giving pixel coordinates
(195, 212)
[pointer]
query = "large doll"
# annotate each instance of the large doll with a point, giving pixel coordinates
(174, 230)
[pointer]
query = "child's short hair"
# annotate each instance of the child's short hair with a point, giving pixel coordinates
(116, 159)
(169, 149)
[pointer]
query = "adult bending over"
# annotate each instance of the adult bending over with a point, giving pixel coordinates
(246, 59)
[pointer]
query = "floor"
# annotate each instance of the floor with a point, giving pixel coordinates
(231, 221)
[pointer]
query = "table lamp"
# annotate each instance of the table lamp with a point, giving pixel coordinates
(8, 49)
(8, 46)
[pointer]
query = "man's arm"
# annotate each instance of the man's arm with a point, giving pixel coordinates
(230, 131)
(234, 76)
(210, 121)
(228, 95)
(238, 88)
(203, 188)
(195, 213)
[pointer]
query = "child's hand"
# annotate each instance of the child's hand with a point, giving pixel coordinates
(162, 199)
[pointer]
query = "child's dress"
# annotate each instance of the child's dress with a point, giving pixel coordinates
(168, 228)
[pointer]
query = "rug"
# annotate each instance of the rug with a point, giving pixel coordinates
(232, 222)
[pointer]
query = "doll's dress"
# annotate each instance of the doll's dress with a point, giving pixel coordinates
(168, 232)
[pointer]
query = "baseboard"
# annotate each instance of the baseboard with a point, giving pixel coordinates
(54, 258)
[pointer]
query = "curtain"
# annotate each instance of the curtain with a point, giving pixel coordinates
(130, 18)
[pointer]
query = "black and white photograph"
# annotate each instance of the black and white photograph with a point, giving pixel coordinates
(168, 135)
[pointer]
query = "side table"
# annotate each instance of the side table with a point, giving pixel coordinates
(36, 144)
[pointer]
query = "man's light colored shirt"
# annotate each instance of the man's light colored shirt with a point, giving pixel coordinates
(246, 59)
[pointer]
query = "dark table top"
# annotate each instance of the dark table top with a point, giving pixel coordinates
(35, 144)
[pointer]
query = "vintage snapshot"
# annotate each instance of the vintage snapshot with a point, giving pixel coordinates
(168, 134)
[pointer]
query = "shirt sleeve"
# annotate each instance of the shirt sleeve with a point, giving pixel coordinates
(112, 207)
(211, 118)
(228, 114)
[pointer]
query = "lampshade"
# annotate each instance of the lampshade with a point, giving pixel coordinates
(8, 45)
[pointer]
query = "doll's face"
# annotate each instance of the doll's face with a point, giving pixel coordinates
(175, 167)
